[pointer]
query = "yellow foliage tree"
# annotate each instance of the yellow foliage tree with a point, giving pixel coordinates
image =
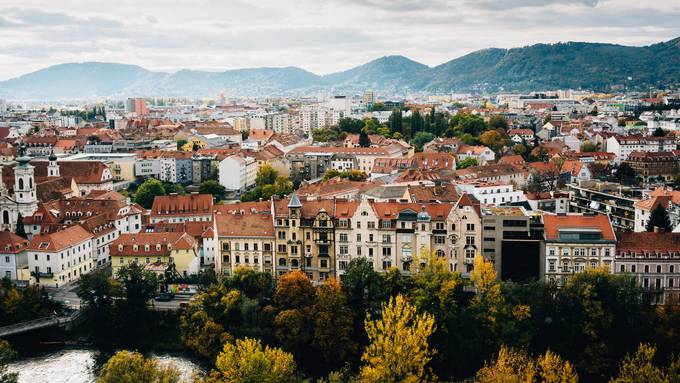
(638, 368)
(201, 334)
(132, 367)
(398, 350)
(512, 366)
(489, 293)
(247, 362)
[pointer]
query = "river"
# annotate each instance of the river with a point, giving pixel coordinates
(80, 365)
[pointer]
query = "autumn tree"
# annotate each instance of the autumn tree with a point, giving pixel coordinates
(398, 350)
(294, 296)
(201, 334)
(266, 175)
(333, 323)
(513, 366)
(639, 368)
(294, 291)
(492, 139)
(246, 361)
(132, 367)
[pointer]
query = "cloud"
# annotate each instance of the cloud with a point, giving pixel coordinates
(320, 36)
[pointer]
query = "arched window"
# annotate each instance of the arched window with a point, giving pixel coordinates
(440, 253)
(21, 184)
(294, 263)
(282, 261)
(5, 217)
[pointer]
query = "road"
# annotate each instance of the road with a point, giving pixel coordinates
(67, 295)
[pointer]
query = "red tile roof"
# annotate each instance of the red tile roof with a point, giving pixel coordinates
(60, 240)
(172, 205)
(553, 223)
(245, 225)
(11, 243)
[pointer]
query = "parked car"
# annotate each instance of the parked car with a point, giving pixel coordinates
(164, 297)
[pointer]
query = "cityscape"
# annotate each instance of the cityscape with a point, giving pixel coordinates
(279, 192)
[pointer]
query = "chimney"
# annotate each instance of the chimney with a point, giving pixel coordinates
(657, 229)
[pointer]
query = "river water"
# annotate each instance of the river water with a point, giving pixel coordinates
(80, 365)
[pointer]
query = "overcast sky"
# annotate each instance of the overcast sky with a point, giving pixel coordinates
(322, 36)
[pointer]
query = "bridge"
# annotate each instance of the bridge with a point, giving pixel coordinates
(35, 324)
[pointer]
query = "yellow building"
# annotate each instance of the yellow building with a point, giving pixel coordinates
(159, 252)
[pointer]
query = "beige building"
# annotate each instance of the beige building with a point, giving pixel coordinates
(244, 240)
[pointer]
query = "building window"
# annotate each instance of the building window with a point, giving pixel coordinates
(371, 225)
(386, 264)
(343, 237)
(470, 227)
(342, 265)
(323, 263)
(386, 238)
(344, 250)
(387, 251)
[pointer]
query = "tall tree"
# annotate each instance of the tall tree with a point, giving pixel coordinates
(333, 323)
(512, 366)
(395, 121)
(132, 367)
(21, 231)
(398, 350)
(640, 367)
(659, 218)
(98, 293)
(364, 141)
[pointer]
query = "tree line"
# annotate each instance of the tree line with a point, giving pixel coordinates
(432, 326)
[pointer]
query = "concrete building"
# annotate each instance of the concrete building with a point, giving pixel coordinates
(237, 172)
(244, 241)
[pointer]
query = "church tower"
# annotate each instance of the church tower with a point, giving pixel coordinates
(53, 166)
(24, 184)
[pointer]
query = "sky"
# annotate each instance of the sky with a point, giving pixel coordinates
(322, 36)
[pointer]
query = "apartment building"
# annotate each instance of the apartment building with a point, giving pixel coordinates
(173, 253)
(574, 242)
(623, 146)
(182, 208)
(653, 166)
(237, 172)
(305, 237)
(491, 193)
(608, 198)
(653, 259)
(244, 240)
(13, 256)
(61, 257)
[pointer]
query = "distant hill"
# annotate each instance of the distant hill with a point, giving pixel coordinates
(573, 65)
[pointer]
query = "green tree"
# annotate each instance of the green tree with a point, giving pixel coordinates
(371, 125)
(395, 121)
(498, 122)
(364, 141)
(98, 294)
(21, 231)
(659, 218)
(266, 175)
(350, 125)
(132, 367)
(417, 123)
(181, 143)
(466, 163)
(363, 288)
(420, 139)
(625, 174)
(147, 191)
(659, 132)
(247, 362)
(6, 356)
(333, 323)
(212, 187)
(398, 350)
(588, 147)
(139, 285)
(200, 333)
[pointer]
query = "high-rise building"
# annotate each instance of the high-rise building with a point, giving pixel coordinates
(136, 105)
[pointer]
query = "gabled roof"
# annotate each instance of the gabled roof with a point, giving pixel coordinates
(11, 243)
(182, 205)
(60, 240)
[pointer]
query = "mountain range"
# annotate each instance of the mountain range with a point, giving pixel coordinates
(575, 65)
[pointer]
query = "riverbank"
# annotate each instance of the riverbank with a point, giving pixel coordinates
(72, 364)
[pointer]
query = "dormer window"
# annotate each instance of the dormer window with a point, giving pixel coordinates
(169, 246)
(120, 248)
(135, 247)
(158, 247)
(146, 247)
